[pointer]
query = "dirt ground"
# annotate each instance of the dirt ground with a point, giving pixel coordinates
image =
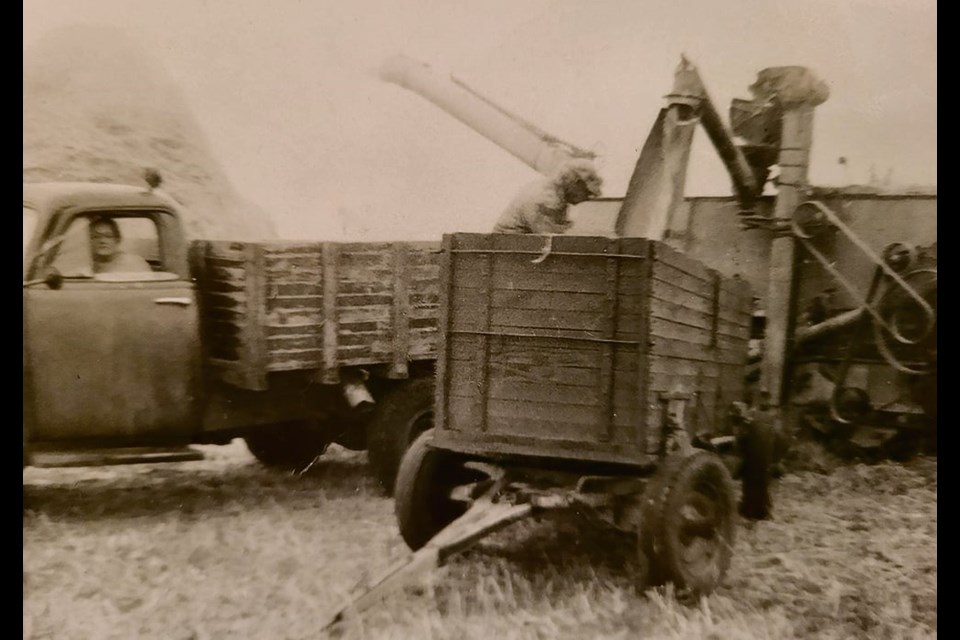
(225, 549)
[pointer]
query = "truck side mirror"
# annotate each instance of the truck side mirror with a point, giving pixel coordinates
(51, 277)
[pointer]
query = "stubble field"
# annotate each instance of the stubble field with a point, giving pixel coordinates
(225, 549)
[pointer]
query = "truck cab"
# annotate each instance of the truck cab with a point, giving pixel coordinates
(111, 358)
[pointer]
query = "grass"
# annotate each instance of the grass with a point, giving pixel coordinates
(225, 549)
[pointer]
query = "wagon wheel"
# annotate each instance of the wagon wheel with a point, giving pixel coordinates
(692, 522)
(422, 500)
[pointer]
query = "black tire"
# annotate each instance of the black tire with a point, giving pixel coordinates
(422, 500)
(288, 446)
(348, 433)
(695, 527)
(757, 447)
(401, 415)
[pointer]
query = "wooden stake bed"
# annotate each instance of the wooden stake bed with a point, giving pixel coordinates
(565, 347)
(283, 306)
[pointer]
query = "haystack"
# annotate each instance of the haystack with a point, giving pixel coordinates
(97, 108)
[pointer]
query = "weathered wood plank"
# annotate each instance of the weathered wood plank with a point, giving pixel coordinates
(660, 328)
(683, 317)
(222, 286)
(536, 243)
(682, 262)
(254, 350)
(277, 289)
(225, 300)
(221, 250)
(549, 419)
(400, 312)
(227, 274)
(225, 263)
(669, 273)
(671, 297)
(309, 301)
(677, 382)
(294, 364)
(546, 349)
(373, 313)
(611, 330)
(466, 316)
(675, 366)
(289, 317)
(303, 328)
(546, 300)
(363, 299)
(507, 388)
(278, 344)
(290, 246)
(289, 262)
(365, 287)
(684, 350)
(554, 319)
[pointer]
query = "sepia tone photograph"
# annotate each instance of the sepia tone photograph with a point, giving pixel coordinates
(471, 319)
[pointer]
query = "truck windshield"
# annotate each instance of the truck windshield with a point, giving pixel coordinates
(29, 224)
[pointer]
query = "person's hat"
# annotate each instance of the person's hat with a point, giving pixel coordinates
(582, 170)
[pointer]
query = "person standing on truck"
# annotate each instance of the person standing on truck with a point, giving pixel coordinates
(105, 249)
(541, 207)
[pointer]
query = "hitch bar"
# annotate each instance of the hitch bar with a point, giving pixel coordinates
(484, 517)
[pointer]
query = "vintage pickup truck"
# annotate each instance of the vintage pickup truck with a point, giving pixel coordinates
(289, 345)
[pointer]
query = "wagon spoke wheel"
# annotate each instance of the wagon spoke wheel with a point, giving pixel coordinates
(694, 532)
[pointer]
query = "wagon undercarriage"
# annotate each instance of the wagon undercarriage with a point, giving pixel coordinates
(682, 515)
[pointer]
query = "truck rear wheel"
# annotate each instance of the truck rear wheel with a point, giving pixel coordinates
(288, 446)
(401, 415)
(422, 499)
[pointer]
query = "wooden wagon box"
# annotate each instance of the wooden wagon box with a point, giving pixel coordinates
(567, 347)
(283, 306)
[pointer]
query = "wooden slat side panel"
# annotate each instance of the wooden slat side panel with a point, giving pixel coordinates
(223, 299)
(224, 250)
(253, 355)
(365, 304)
(667, 256)
(671, 298)
(296, 299)
(444, 338)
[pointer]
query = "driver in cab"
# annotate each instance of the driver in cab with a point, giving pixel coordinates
(105, 249)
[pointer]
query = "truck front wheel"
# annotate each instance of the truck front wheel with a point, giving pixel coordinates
(288, 446)
(402, 414)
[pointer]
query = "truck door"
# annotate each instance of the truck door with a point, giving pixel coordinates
(114, 354)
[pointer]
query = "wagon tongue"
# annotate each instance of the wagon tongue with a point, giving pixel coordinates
(483, 518)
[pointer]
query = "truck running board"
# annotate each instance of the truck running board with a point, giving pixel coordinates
(107, 457)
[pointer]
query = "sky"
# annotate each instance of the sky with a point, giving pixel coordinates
(287, 95)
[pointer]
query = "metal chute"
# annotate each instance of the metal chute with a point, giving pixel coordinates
(656, 187)
(539, 150)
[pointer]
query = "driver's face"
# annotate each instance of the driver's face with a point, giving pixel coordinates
(103, 241)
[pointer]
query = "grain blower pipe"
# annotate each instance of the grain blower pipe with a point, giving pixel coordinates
(689, 89)
(537, 149)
